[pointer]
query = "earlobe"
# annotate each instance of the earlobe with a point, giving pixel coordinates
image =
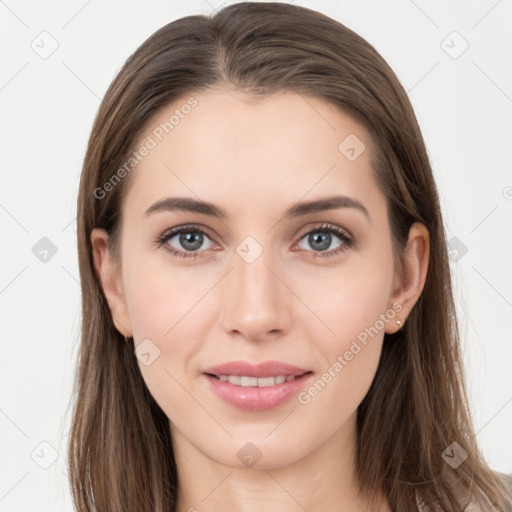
(415, 267)
(110, 279)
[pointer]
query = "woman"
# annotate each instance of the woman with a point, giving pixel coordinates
(268, 318)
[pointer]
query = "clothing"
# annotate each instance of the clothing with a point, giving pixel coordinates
(505, 478)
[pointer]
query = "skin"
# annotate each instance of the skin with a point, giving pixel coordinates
(255, 159)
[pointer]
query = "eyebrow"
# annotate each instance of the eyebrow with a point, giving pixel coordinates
(187, 204)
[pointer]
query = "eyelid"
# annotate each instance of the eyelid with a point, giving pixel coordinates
(190, 227)
(326, 226)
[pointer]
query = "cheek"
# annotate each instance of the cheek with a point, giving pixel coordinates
(165, 322)
(357, 313)
(356, 309)
(162, 299)
(350, 302)
(167, 312)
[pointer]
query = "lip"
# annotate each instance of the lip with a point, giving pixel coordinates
(265, 369)
(251, 398)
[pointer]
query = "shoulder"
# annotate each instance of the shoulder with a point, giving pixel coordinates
(507, 482)
(507, 479)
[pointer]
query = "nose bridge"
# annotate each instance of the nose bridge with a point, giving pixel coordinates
(254, 303)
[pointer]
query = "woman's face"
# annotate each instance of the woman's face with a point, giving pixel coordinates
(271, 280)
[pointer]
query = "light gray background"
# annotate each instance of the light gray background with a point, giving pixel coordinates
(463, 102)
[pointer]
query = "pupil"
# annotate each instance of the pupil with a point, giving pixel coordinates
(191, 241)
(323, 238)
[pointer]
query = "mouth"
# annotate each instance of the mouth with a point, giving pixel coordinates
(260, 382)
(256, 387)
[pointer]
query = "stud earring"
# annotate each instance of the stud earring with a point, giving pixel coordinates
(400, 324)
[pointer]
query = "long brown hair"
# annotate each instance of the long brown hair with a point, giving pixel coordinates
(120, 449)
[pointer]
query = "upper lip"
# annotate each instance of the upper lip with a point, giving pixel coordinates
(265, 369)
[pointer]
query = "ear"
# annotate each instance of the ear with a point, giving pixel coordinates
(110, 278)
(407, 290)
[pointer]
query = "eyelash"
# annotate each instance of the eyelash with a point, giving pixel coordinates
(324, 228)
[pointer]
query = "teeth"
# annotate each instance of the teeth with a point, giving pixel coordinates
(261, 382)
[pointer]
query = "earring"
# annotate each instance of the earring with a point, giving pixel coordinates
(400, 324)
(127, 339)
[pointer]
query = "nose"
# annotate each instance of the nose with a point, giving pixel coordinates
(255, 303)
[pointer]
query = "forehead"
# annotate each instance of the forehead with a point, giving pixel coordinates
(239, 149)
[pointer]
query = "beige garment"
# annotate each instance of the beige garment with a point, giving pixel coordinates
(506, 479)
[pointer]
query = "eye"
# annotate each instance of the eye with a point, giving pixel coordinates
(190, 238)
(189, 241)
(320, 238)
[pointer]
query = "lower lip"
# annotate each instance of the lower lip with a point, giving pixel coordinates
(252, 398)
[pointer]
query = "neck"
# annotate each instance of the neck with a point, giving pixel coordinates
(324, 480)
